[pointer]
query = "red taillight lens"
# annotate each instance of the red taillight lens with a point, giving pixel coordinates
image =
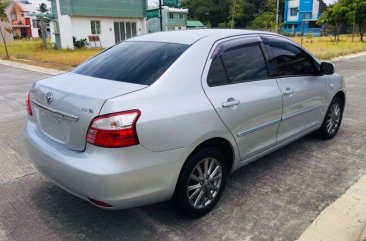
(28, 104)
(114, 130)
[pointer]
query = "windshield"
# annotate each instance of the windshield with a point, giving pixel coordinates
(133, 62)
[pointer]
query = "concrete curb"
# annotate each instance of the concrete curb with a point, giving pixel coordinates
(343, 220)
(31, 67)
(349, 56)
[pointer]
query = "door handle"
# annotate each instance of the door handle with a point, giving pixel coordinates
(230, 102)
(288, 91)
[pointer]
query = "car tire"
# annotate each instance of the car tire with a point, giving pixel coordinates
(201, 182)
(332, 120)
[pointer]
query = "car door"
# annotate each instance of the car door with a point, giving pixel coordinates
(249, 102)
(302, 85)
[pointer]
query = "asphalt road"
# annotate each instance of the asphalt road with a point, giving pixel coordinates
(274, 198)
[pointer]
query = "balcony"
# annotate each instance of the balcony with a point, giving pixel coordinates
(177, 22)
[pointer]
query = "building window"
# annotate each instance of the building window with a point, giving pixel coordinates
(181, 16)
(171, 15)
(293, 11)
(95, 27)
(55, 27)
(171, 28)
(34, 23)
(307, 16)
(22, 14)
(13, 16)
(124, 30)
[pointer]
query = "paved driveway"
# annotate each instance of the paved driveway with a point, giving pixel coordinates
(274, 198)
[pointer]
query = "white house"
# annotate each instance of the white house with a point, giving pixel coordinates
(102, 23)
(173, 19)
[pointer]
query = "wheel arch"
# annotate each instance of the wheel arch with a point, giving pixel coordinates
(342, 96)
(217, 142)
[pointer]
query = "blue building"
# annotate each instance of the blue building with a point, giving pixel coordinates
(302, 15)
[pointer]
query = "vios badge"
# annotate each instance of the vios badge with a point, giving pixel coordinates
(48, 98)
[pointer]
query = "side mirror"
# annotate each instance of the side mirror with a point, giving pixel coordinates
(327, 68)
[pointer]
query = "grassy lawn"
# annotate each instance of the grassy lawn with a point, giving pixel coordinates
(31, 51)
(326, 48)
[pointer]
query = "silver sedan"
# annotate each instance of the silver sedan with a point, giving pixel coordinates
(171, 115)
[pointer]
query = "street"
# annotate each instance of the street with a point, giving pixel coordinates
(274, 198)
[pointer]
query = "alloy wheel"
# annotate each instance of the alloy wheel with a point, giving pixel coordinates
(204, 183)
(333, 119)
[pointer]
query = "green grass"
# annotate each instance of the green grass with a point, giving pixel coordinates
(32, 52)
(327, 48)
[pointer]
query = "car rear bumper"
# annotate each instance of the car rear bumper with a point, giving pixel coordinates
(120, 177)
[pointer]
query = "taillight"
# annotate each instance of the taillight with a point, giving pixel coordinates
(28, 104)
(114, 130)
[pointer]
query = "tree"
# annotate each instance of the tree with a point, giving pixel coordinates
(266, 20)
(360, 17)
(236, 11)
(334, 15)
(211, 12)
(43, 17)
(3, 19)
(42, 8)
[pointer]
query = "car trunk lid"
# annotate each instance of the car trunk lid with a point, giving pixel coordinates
(64, 105)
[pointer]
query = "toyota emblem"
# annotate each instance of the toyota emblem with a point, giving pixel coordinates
(48, 98)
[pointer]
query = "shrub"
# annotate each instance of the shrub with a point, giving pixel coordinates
(80, 44)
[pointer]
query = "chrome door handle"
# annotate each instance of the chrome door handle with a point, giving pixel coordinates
(230, 102)
(288, 91)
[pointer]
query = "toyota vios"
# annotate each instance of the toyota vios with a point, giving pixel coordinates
(171, 115)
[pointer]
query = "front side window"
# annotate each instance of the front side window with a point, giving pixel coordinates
(95, 27)
(133, 62)
(171, 15)
(290, 59)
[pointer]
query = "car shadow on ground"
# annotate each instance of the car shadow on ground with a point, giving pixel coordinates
(270, 184)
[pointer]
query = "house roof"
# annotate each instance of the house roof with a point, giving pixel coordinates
(195, 24)
(26, 6)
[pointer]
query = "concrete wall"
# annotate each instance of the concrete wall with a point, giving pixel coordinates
(81, 28)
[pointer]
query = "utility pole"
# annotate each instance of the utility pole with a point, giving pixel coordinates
(161, 15)
(277, 14)
(232, 14)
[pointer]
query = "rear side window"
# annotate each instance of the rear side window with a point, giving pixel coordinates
(242, 63)
(245, 63)
(133, 62)
(217, 75)
(291, 60)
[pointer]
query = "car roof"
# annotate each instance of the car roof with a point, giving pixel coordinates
(192, 36)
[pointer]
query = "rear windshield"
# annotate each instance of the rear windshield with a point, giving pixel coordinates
(133, 62)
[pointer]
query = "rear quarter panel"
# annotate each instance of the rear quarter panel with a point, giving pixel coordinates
(175, 112)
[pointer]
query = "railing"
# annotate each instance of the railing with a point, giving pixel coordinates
(177, 22)
(307, 30)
